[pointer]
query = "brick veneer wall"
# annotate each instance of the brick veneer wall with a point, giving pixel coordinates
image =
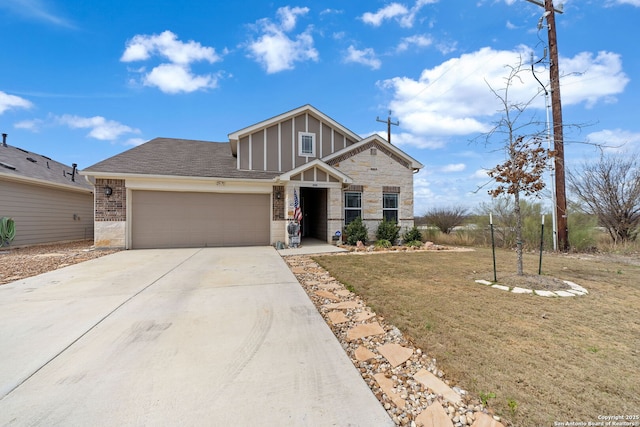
(278, 204)
(113, 207)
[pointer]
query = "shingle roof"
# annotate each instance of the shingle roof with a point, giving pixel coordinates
(22, 164)
(177, 157)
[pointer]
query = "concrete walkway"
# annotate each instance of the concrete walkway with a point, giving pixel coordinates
(311, 246)
(213, 337)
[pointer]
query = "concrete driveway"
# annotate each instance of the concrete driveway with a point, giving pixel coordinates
(214, 336)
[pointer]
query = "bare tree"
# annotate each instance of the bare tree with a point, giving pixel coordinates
(446, 218)
(610, 189)
(526, 160)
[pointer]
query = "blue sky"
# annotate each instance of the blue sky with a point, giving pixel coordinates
(82, 81)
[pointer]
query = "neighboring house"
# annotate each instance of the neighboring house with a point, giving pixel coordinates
(48, 201)
(183, 193)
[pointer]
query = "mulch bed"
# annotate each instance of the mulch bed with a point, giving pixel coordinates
(28, 261)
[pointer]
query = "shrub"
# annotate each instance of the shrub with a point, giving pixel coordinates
(356, 231)
(382, 243)
(414, 243)
(446, 219)
(413, 234)
(387, 230)
(7, 230)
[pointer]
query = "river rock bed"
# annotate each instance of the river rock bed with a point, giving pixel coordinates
(406, 381)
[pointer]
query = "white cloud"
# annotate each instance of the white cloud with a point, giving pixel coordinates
(480, 174)
(446, 48)
(388, 12)
(167, 45)
(453, 98)
(417, 40)
(423, 195)
(405, 139)
(8, 102)
(289, 16)
(36, 10)
(135, 141)
(365, 56)
(591, 79)
(635, 3)
(408, 19)
(402, 14)
(100, 128)
(30, 125)
(275, 49)
(454, 167)
(175, 76)
(331, 12)
(615, 139)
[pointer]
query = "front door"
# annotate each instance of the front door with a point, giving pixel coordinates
(313, 204)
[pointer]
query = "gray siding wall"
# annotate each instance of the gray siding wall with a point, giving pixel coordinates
(281, 144)
(46, 214)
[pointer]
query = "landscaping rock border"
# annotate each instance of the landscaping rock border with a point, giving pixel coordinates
(406, 381)
(576, 290)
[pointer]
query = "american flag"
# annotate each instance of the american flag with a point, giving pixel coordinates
(297, 213)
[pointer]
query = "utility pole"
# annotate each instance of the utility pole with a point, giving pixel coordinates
(389, 123)
(556, 107)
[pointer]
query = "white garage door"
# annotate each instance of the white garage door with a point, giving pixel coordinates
(162, 219)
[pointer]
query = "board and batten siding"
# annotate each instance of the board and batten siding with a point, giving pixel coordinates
(46, 214)
(275, 148)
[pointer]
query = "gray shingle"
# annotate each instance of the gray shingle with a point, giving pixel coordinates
(178, 157)
(39, 167)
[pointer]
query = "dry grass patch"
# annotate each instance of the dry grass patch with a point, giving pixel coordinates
(545, 359)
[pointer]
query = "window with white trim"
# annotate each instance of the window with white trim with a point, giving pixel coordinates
(352, 206)
(390, 206)
(306, 144)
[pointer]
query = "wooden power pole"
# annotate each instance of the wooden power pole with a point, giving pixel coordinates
(558, 140)
(389, 123)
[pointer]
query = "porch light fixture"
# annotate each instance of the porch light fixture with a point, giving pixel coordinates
(278, 195)
(108, 191)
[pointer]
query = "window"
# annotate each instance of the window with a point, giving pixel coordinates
(307, 144)
(390, 206)
(352, 206)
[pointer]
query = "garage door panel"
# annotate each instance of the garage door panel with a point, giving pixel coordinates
(179, 219)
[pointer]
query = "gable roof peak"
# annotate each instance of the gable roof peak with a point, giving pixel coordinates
(379, 142)
(234, 137)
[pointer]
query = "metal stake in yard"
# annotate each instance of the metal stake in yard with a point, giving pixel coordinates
(493, 248)
(541, 245)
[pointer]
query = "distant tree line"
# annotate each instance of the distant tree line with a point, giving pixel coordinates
(604, 193)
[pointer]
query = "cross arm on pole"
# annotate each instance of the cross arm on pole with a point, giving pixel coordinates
(559, 9)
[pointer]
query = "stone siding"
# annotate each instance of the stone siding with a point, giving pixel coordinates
(110, 234)
(375, 169)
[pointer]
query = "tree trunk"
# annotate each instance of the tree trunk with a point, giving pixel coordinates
(518, 233)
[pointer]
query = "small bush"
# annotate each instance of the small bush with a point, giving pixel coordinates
(413, 234)
(387, 230)
(383, 243)
(356, 231)
(414, 243)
